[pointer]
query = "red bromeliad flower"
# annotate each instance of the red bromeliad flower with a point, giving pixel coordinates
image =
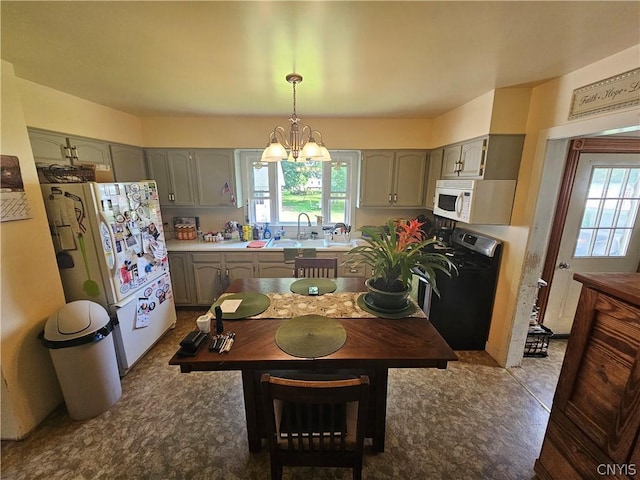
(409, 233)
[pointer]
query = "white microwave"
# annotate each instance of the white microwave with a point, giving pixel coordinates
(483, 202)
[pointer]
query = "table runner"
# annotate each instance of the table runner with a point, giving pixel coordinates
(332, 305)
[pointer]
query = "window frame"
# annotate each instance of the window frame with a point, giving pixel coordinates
(248, 157)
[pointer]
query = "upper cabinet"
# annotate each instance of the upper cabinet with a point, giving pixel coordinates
(217, 178)
(85, 150)
(128, 163)
(200, 177)
(494, 157)
(172, 171)
(393, 178)
(112, 162)
(51, 147)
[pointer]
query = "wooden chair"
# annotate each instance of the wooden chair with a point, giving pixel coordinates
(316, 267)
(315, 423)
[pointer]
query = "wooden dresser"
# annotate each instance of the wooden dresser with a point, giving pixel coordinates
(595, 418)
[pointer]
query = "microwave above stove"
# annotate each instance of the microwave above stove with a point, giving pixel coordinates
(482, 202)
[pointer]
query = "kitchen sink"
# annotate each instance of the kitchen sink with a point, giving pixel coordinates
(284, 243)
(317, 243)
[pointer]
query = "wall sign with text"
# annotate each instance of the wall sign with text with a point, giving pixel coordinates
(613, 93)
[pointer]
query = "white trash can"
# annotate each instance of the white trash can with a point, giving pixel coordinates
(84, 356)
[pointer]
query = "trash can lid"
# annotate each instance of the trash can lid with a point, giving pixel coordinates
(74, 320)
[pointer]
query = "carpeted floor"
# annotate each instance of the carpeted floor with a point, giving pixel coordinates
(474, 420)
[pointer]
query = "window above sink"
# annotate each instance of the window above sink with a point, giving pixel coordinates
(278, 192)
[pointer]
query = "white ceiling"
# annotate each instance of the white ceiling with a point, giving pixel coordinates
(359, 59)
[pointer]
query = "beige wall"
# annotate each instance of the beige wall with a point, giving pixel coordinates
(50, 109)
(470, 120)
(30, 287)
(527, 235)
(253, 132)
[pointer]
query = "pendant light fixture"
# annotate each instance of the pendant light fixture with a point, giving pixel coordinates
(301, 145)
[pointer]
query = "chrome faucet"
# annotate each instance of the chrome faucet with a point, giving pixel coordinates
(300, 237)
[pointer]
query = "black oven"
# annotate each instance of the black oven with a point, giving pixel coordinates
(462, 312)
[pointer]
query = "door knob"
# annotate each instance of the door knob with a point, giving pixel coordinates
(563, 266)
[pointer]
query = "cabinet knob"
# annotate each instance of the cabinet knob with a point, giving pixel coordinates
(395, 197)
(563, 266)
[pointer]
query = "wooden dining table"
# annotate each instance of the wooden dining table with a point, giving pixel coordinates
(372, 347)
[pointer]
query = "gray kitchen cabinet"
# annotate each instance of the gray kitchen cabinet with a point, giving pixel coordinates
(494, 157)
(450, 160)
(199, 278)
(85, 150)
(435, 170)
(128, 163)
(216, 179)
(180, 269)
(464, 161)
(195, 177)
(472, 159)
(59, 148)
(238, 265)
(272, 265)
(363, 271)
(49, 147)
(172, 171)
(393, 178)
(207, 276)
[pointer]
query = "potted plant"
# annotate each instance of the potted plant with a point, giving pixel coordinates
(393, 259)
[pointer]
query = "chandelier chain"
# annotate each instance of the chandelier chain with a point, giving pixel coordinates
(295, 114)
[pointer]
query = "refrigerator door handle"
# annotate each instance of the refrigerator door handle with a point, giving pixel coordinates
(108, 243)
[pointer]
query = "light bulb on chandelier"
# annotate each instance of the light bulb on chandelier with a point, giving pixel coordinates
(301, 145)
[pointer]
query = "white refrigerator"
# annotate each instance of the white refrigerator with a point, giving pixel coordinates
(110, 249)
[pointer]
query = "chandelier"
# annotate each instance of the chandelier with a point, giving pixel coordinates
(301, 144)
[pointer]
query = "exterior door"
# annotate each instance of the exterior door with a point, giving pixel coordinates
(601, 230)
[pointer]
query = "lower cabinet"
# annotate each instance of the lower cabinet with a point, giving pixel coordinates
(199, 278)
(207, 275)
(272, 265)
(180, 268)
(237, 265)
(594, 425)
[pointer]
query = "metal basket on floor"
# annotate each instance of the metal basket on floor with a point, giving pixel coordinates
(537, 344)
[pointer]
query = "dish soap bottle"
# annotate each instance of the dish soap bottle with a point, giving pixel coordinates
(267, 233)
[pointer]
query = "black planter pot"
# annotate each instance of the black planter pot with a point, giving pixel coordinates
(387, 301)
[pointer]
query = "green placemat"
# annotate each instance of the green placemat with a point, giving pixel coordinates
(252, 304)
(366, 305)
(324, 285)
(310, 336)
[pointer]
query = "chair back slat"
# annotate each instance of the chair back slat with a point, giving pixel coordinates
(315, 423)
(316, 267)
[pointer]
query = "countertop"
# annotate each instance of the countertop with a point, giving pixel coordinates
(625, 286)
(235, 246)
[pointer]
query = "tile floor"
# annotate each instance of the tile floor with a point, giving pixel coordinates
(474, 420)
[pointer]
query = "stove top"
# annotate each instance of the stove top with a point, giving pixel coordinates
(469, 250)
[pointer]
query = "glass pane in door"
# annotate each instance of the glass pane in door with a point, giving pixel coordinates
(610, 213)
